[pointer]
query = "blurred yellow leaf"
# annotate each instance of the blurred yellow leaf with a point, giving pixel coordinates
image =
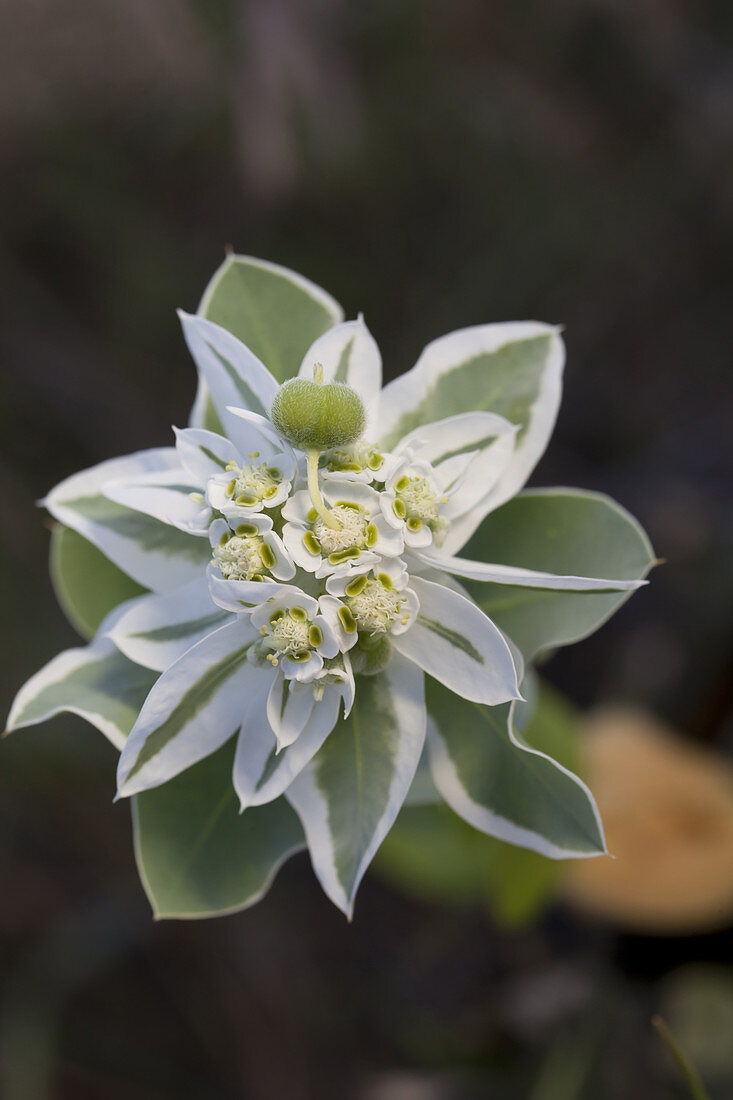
(667, 808)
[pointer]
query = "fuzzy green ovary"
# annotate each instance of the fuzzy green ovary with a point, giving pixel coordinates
(374, 605)
(290, 634)
(243, 558)
(351, 534)
(371, 654)
(253, 483)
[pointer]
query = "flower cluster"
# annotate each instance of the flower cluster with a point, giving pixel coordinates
(330, 549)
(300, 543)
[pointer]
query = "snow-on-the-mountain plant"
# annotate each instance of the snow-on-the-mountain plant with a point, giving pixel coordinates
(336, 573)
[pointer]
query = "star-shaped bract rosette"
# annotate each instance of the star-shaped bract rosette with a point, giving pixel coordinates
(267, 687)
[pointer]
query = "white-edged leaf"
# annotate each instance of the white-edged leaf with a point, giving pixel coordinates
(158, 629)
(96, 681)
(154, 554)
(87, 584)
(350, 793)
(348, 353)
(203, 454)
(261, 772)
(233, 374)
(197, 704)
(276, 312)
(513, 369)
(203, 415)
(197, 855)
(168, 497)
(239, 596)
(289, 706)
(524, 578)
(566, 532)
(453, 641)
(494, 780)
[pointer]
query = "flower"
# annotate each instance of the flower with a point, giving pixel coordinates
(296, 570)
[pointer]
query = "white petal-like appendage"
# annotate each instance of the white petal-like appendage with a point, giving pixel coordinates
(195, 706)
(298, 507)
(350, 492)
(526, 578)
(159, 628)
(154, 554)
(348, 353)
(297, 550)
(283, 569)
(350, 793)
(453, 641)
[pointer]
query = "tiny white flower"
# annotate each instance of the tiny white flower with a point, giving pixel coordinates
(296, 638)
(260, 478)
(360, 537)
(414, 502)
(251, 551)
(379, 601)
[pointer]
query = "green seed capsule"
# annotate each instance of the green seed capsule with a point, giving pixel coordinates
(316, 417)
(371, 654)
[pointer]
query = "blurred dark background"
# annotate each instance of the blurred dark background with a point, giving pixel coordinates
(434, 165)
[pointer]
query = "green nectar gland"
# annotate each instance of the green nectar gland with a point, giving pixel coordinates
(316, 416)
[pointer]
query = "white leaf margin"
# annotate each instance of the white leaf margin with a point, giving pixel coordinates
(485, 820)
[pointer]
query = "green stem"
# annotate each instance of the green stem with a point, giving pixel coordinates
(688, 1071)
(315, 492)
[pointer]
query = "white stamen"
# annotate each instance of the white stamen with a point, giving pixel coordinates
(350, 534)
(253, 484)
(240, 559)
(376, 607)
